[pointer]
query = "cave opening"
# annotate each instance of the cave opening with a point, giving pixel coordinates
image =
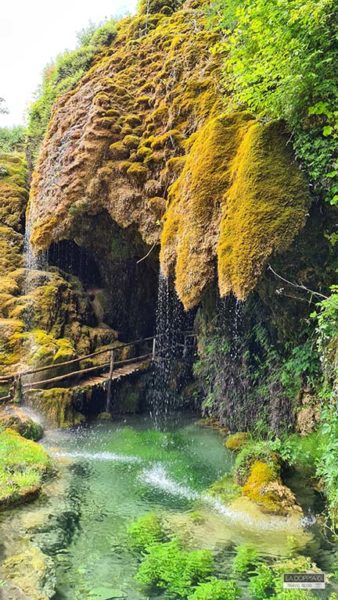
(75, 260)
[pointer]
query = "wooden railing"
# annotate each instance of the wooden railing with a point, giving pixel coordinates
(19, 385)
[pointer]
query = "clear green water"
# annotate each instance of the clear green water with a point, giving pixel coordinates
(111, 473)
(121, 471)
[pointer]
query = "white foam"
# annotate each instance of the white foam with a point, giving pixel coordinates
(103, 456)
(158, 478)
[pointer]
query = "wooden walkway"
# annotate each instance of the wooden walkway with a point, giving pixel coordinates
(111, 366)
(101, 380)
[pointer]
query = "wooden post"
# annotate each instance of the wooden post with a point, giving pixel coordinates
(154, 348)
(109, 391)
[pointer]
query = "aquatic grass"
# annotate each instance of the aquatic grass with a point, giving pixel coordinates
(168, 566)
(146, 531)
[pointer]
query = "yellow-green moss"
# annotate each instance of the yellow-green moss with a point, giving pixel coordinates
(118, 151)
(190, 231)
(138, 172)
(265, 208)
(57, 405)
(267, 490)
(23, 464)
(236, 441)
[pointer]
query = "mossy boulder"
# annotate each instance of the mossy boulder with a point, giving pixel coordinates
(13, 417)
(23, 465)
(258, 472)
(58, 405)
(236, 441)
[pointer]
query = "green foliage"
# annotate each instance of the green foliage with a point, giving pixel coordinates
(327, 335)
(327, 465)
(246, 560)
(146, 531)
(63, 75)
(327, 332)
(167, 566)
(216, 589)
(281, 63)
(261, 586)
(267, 583)
(12, 139)
(302, 452)
(301, 366)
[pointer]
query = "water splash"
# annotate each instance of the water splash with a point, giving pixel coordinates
(158, 478)
(100, 456)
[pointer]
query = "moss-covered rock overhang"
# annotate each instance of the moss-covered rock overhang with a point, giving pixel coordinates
(239, 199)
(143, 136)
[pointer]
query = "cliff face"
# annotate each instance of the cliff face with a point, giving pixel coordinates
(111, 142)
(144, 136)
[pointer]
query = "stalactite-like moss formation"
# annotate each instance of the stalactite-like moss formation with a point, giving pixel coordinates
(191, 226)
(264, 209)
(240, 195)
(144, 128)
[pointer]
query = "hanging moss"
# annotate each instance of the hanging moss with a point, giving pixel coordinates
(265, 208)
(190, 233)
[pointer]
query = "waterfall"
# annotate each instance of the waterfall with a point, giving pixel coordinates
(33, 262)
(169, 327)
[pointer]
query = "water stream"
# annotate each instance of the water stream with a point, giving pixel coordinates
(111, 473)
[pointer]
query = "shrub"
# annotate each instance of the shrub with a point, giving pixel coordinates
(216, 589)
(167, 566)
(12, 139)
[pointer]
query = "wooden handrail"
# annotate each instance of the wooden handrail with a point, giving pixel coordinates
(89, 370)
(80, 358)
(11, 378)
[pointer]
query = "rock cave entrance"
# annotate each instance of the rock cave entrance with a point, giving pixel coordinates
(76, 260)
(106, 258)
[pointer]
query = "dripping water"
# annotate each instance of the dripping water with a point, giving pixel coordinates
(169, 327)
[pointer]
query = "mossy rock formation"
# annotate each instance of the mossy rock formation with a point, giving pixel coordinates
(146, 128)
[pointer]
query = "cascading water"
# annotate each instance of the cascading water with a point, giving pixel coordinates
(169, 327)
(33, 263)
